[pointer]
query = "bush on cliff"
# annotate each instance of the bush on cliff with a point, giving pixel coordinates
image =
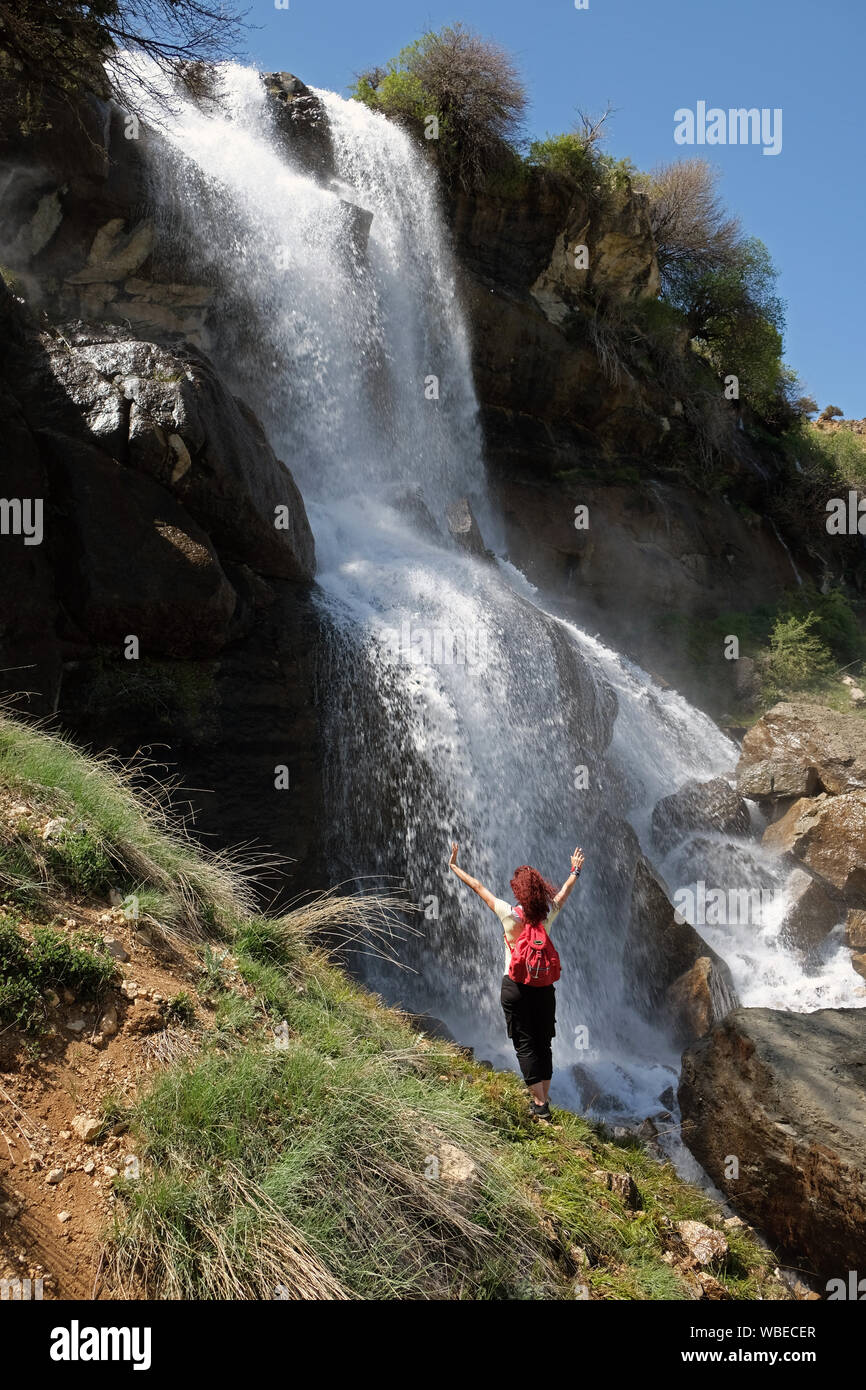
(723, 282)
(470, 88)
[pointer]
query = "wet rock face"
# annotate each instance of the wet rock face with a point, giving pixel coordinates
(165, 413)
(798, 750)
(673, 976)
(465, 530)
(133, 562)
(712, 805)
(814, 910)
(302, 121)
(160, 496)
(827, 834)
(785, 1095)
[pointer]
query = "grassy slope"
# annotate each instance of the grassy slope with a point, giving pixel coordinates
(301, 1160)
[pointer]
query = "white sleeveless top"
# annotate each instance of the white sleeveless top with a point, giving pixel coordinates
(512, 926)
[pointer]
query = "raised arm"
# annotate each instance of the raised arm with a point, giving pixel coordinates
(576, 866)
(484, 893)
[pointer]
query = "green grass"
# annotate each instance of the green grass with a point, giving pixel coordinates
(32, 964)
(123, 835)
(835, 456)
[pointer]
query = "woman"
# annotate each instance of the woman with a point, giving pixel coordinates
(530, 1009)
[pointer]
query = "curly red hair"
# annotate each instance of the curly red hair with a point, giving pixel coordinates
(534, 894)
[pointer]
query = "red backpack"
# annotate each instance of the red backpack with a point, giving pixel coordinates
(534, 958)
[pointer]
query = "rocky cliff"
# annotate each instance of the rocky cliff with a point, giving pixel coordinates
(167, 518)
(773, 1107)
(573, 420)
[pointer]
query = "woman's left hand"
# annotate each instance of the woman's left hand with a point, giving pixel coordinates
(452, 862)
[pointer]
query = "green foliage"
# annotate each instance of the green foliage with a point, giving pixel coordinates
(737, 320)
(565, 154)
(28, 967)
(78, 860)
(836, 624)
(800, 645)
(827, 456)
(796, 659)
(464, 83)
(112, 824)
(181, 1008)
(575, 157)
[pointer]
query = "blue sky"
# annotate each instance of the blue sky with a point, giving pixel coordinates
(648, 58)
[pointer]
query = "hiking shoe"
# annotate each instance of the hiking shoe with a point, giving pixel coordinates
(540, 1111)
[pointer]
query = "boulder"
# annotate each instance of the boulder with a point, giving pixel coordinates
(828, 835)
(357, 222)
(855, 929)
(302, 121)
(464, 529)
(713, 805)
(409, 502)
(669, 969)
(798, 750)
(775, 779)
(690, 998)
(165, 412)
(785, 1094)
(814, 910)
(704, 1244)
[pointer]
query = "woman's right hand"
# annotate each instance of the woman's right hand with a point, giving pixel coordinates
(577, 861)
(452, 862)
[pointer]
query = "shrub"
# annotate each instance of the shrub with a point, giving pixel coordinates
(725, 284)
(471, 86)
(692, 230)
(562, 154)
(797, 659)
(736, 321)
(837, 458)
(49, 961)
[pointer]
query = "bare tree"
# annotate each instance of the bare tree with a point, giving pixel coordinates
(589, 129)
(57, 48)
(478, 93)
(691, 226)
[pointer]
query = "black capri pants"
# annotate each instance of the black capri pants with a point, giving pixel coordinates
(530, 1015)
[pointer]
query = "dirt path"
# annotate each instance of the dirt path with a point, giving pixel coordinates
(56, 1182)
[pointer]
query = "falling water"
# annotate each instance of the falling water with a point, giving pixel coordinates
(456, 704)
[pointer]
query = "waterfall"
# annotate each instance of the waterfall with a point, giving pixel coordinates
(457, 703)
